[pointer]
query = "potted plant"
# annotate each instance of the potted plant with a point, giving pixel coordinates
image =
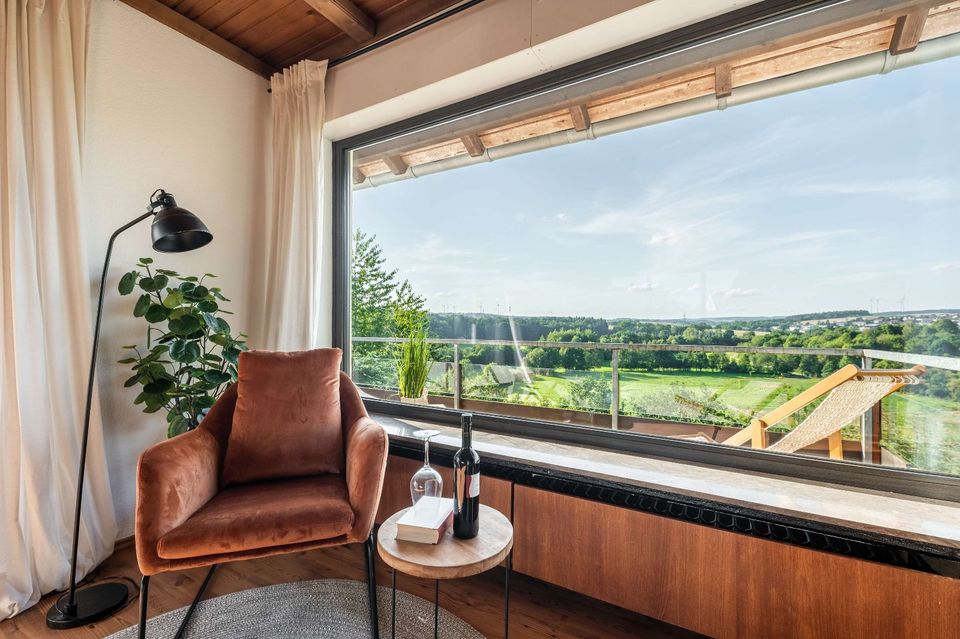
(413, 365)
(191, 355)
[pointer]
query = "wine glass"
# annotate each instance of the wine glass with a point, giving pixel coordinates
(426, 481)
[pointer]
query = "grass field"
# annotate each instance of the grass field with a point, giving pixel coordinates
(924, 431)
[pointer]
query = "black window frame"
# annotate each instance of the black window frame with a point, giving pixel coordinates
(765, 14)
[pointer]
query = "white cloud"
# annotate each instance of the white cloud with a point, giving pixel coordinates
(945, 266)
(736, 292)
(917, 188)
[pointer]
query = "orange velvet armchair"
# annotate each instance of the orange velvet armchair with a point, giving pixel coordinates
(186, 517)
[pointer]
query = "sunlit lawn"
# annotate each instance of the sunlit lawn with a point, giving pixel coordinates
(923, 430)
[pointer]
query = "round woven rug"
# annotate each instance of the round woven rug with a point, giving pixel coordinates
(320, 609)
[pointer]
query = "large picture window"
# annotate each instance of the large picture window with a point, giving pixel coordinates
(779, 274)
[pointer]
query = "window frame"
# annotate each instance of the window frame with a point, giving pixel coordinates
(716, 32)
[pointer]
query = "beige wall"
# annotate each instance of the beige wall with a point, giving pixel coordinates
(163, 111)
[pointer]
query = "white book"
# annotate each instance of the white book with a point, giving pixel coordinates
(427, 521)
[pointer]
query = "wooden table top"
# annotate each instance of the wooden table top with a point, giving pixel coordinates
(452, 558)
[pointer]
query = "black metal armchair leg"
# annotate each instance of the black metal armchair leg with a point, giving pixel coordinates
(372, 588)
(144, 590)
(144, 595)
(196, 600)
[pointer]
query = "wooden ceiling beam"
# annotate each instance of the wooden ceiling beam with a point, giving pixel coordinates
(907, 31)
(162, 13)
(358, 175)
(723, 80)
(389, 24)
(580, 117)
(347, 16)
(396, 164)
(473, 144)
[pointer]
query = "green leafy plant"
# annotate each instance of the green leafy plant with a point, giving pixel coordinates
(191, 355)
(413, 365)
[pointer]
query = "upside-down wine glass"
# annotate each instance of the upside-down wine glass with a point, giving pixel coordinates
(426, 482)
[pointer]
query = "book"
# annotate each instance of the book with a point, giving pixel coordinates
(427, 521)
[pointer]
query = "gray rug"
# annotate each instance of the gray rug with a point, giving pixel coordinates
(321, 609)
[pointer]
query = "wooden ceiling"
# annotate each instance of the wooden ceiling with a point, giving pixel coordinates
(268, 35)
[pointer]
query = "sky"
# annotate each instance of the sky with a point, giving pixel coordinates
(841, 197)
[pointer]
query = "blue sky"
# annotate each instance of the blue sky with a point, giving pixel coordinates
(808, 202)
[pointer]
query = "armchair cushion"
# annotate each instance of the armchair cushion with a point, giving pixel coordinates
(287, 421)
(263, 515)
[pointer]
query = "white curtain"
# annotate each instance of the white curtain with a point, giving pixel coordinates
(45, 322)
(290, 315)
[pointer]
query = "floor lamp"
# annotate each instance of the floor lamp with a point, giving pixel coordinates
(174, 230)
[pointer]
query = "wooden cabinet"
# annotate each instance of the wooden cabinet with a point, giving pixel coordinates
(720, 583)
(711, 581)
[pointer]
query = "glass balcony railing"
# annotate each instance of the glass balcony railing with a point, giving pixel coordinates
(677, 390)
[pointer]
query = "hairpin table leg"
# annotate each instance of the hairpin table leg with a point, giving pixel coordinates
(393, 607)
(436, 609)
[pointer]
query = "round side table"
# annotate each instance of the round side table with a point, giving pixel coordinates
(452, 558)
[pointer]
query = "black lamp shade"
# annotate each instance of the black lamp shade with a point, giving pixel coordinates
(176, 230)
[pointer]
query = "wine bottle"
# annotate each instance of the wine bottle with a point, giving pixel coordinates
(466, 484)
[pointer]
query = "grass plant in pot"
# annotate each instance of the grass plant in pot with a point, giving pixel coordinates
(413, 366)
(191, 355)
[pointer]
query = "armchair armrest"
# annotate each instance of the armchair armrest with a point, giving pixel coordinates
(367, 448)
(176, 477)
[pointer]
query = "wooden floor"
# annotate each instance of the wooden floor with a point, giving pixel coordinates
(537, 610)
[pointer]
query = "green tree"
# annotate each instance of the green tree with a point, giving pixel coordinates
(373, 288)
(408, 311)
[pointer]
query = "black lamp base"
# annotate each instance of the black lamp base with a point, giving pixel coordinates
(92, 604)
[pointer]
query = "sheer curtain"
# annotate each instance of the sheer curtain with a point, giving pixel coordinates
(290, 315)
(45, 322)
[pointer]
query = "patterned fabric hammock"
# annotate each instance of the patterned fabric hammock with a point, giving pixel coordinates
(845, 403)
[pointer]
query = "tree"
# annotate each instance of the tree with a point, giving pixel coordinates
(373, 288)
(543, 358)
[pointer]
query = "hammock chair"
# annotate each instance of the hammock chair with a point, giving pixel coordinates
(850, 392)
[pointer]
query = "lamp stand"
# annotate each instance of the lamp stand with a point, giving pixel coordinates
(84, 606)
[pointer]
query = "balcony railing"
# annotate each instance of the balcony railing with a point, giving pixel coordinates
(869, 434)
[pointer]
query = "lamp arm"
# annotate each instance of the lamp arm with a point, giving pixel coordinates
(71, 601)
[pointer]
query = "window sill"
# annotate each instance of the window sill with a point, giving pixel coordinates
(913, 523)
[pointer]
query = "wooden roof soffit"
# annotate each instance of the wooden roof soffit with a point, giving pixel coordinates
(907, 31)
(473, 144)
(347, 16)
(719, 76)
(580, 117)
(164, 14)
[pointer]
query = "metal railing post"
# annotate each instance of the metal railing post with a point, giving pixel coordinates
(866, 422)
(457, 376)
(615, 383)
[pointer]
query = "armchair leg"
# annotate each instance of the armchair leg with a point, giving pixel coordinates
(144, 593)
(372, 587)
(196, 600)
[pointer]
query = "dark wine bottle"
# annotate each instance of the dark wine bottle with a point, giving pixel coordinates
(466, 484)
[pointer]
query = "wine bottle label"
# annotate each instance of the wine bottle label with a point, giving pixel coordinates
(473, 485)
